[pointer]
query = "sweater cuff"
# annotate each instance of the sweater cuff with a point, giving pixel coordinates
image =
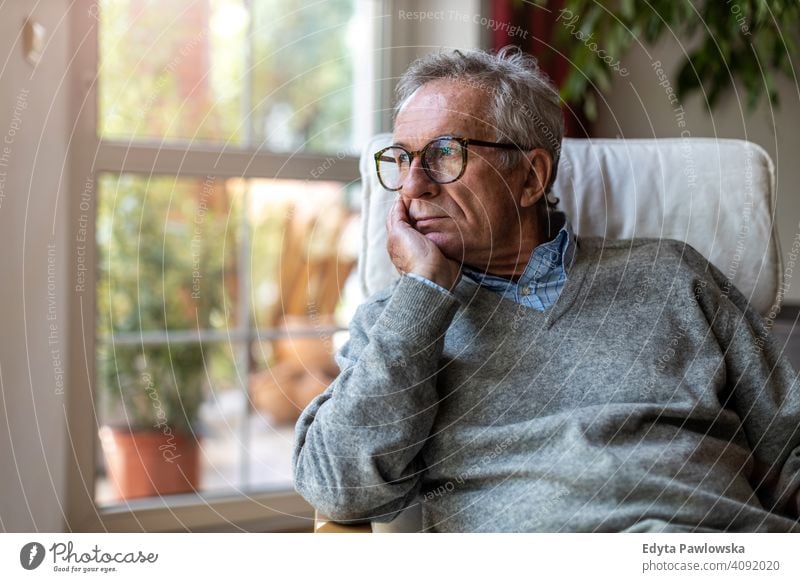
(429, 283)
(418, 310)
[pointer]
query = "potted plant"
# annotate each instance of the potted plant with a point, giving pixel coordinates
(166, 263)
(151, 439)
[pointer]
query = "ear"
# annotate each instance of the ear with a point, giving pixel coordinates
(539, 167)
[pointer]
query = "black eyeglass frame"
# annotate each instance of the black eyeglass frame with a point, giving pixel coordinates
(465, 142)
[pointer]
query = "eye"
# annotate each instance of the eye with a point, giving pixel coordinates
(446, 150)
(401, 157)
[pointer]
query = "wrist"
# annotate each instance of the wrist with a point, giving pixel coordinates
(441, 277)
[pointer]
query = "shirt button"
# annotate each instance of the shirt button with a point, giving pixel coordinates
(526, 290)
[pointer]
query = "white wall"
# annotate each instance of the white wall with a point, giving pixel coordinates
(650, 114)
(34, 130)
(414, 28)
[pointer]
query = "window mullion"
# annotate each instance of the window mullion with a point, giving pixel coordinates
(194, 160)
(243, 326)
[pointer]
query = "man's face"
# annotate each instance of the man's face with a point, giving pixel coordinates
(477, 216)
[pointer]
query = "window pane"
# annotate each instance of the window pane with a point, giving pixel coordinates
(176, 361)
(185, 78)
(304, 246)
(277, 74)
(167, 254)
(302, 75)
(140, 384)
(171, 415)
(304, 250)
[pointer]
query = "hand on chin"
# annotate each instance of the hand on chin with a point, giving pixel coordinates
(413, 251)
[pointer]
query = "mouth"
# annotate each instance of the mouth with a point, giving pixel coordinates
(423, 222)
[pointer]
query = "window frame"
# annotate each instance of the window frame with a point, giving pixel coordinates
(90, 156)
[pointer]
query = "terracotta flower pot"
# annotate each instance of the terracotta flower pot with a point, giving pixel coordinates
(150, 463)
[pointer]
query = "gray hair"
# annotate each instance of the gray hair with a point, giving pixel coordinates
(524, 109)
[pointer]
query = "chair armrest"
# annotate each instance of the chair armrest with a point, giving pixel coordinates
(324, 525)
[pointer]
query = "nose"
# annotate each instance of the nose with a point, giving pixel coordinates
(417, 183)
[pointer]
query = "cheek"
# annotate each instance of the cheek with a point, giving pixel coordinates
(471, 211)
(481, 205)
(487, 218)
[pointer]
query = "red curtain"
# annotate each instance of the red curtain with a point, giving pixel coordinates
(539, 25)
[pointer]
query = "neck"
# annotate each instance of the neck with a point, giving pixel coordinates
(510, 256)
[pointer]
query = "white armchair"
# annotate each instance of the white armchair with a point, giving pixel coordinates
(718, 195)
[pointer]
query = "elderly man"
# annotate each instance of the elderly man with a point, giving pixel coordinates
(519, 378)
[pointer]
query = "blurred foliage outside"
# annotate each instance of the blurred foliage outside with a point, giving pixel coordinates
(179, 71)
(169, 253)
(168, 248)
(167, 262)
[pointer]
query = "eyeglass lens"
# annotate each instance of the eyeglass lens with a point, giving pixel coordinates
(442, 159)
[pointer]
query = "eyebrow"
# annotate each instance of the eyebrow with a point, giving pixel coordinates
(402, 145)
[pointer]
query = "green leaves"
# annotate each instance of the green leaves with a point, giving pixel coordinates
(742, 42)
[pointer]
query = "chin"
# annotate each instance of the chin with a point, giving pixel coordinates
(452, 249)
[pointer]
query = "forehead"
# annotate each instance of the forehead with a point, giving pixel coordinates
(440, 107)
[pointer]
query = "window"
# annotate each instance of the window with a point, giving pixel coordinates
(225, 182)
(271, 74)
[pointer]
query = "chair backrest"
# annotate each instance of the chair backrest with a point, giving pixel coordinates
(718, 195)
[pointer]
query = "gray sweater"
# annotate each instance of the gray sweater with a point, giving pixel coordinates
(650, 397)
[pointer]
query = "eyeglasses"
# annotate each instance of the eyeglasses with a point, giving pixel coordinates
(444, 160)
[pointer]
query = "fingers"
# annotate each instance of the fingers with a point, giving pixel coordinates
(398, 214)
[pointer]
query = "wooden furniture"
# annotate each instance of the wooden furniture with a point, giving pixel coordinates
(324, 525)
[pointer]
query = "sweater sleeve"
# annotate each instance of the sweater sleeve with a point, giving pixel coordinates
(357, 444)
(762, 388)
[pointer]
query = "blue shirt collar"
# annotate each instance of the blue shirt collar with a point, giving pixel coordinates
(549, 261)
